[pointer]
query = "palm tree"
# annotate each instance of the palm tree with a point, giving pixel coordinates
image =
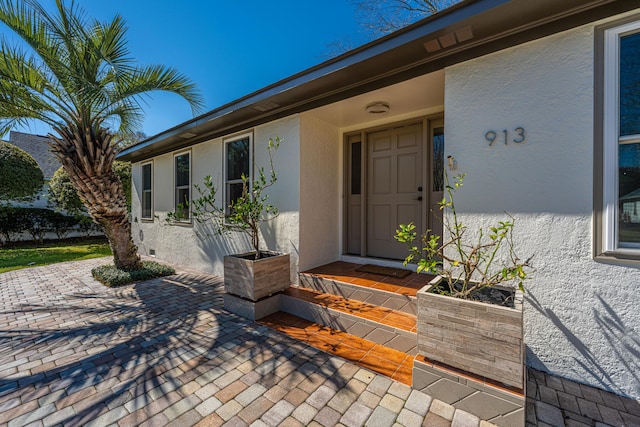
(75, 74)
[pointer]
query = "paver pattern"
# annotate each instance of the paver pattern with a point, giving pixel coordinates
(558, 402)
(164, 352)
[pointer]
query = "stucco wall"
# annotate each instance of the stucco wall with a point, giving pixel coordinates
(197, 245)
(319, 192)
(581, 318)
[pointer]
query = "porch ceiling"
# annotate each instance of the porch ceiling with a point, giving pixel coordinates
(417, 94)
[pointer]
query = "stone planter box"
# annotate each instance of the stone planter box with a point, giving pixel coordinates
(253, 279)
(479, 338)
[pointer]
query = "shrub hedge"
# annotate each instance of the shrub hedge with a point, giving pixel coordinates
(112, 277)
(36, 222)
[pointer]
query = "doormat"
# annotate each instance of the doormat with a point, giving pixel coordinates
(384, 271)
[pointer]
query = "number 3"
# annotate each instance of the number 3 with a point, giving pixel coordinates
(521, 137)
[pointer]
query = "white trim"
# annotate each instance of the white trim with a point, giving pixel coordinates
(175, 184)
(142, 165)
(611, 135)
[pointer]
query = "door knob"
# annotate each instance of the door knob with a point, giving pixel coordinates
(419, 198)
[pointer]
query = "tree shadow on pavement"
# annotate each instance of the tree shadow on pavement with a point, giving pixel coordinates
(138, 352)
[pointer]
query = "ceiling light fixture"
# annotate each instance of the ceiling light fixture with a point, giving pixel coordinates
(377, 108)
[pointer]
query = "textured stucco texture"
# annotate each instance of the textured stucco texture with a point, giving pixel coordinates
(581, 316)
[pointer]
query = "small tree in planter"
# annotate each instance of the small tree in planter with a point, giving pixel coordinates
(484, 339)
(466, 265)
(247, 212)
(255, 274)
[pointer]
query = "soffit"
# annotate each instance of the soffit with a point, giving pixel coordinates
(420, 93)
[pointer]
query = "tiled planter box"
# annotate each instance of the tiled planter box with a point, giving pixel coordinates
(483, 339)
(256, 279)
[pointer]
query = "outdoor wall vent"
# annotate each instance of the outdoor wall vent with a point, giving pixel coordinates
(450, 39)
(152, 252)
(266, 106)
(377, 108)
(187, 135)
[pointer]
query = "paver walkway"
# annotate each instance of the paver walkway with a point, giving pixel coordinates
(164, 352)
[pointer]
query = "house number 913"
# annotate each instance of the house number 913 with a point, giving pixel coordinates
(517, 136)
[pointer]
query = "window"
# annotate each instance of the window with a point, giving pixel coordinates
(620, 221)
(237, 166)
(182, 173)
(438, 159)
(147, 192)
(356, 167)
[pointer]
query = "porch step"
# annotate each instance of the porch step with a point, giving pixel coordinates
(378, 358)
(366, 318)
(343, 279)
(381, 325)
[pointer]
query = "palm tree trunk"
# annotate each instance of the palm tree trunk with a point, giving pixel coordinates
(88, 158)
(104, 198)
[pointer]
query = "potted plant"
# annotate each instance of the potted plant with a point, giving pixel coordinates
(258, 273)
(470, 316)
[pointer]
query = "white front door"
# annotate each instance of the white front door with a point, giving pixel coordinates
(395, 183)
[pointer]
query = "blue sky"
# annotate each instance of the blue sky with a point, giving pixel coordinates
(229, 48)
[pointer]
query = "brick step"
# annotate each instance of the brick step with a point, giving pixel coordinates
(387, 361)
(381, 325)
(344, 279)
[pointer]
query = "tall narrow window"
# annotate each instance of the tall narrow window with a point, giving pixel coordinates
(621, 139)
(356, 167)
(438, 159)
(147, 191)
(237, 167)
(182, 163)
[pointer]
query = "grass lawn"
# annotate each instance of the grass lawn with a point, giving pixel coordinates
(25, 256)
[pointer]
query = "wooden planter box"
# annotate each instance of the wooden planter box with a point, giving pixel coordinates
(480, 338)
(256, 279)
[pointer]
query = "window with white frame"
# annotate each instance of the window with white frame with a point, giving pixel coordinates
(237, 167)
(147, 191)
(621, 140)
(182, 174)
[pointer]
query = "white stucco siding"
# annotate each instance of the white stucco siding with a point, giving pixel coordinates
(174, 243)
(581, 316)
(197, 245)
(282, 234)
(320, 173)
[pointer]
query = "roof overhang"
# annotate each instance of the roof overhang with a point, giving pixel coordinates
(468, 30)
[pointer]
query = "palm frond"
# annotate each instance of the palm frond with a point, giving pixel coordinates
(161, 78)
(79, 73)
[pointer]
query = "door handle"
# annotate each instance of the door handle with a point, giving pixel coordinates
(419, 198)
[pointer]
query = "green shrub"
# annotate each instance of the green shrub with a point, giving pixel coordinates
(12, 223)
(37, 222)
(112, 277)
(62, 193)
(62, 224)
(20, 175)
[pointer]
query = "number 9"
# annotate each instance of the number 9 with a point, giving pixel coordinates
(491, 137)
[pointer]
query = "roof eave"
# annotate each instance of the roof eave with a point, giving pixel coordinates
(396, 57)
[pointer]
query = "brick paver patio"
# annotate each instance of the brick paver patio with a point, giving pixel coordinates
(164, 352)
